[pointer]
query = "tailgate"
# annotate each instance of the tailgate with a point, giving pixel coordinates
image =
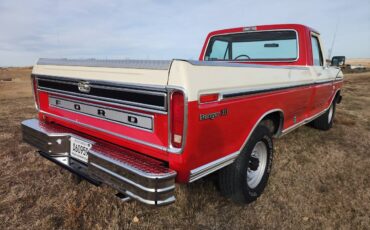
(121, 101)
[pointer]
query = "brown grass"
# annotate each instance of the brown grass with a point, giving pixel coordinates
(319, 179)
(359, 61)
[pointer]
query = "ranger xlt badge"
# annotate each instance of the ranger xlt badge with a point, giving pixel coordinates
(211, 116)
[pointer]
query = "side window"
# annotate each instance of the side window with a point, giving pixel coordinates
(219, 51)
(316, 52)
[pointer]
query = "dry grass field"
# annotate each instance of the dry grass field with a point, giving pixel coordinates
(319, 179)
(359, 61)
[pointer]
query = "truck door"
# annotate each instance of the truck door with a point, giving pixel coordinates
(323, 78)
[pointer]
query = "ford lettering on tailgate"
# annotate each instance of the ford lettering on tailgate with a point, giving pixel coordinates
(132, 119)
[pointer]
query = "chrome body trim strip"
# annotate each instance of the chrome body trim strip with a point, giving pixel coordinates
(141, 86)
(299, 124)
(100, 102)
(242, 65)
(211, 167)
(101, 86)
(249, 91)
(240, 92)
(103, 99)
(136, 105)
(134, 64)
(324, 81)
(107, 132)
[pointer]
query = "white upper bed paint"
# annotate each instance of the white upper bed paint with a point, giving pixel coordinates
(196, 77)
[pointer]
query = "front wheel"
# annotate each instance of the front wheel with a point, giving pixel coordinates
(325, 121)
(245, 179)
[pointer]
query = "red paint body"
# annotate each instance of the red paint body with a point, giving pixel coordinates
(209, 140)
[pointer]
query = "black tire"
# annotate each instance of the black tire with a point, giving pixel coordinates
(325, 121)
(233, 178)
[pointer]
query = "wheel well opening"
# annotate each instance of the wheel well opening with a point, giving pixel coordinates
(277, 121)
(338, 97)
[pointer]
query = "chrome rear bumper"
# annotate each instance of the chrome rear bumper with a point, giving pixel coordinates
(139, 177)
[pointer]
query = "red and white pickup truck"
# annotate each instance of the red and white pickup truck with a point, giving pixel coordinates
(140, 126)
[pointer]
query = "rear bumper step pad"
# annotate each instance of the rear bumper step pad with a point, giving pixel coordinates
(140, 177)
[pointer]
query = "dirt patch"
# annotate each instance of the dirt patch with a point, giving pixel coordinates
(319, 179)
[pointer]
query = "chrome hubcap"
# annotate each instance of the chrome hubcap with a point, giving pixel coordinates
(330, 115)
(257, 164)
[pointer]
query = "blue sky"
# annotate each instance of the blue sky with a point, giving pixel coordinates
(165, 29)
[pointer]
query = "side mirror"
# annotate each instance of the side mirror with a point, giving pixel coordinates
(338, 61)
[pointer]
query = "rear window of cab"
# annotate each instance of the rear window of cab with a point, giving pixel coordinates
(253, 46)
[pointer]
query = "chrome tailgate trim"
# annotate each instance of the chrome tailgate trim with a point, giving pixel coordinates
(134, 64)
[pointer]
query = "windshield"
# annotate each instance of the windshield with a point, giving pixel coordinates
(253, 46)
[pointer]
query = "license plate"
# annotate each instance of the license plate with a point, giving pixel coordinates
(79, 149)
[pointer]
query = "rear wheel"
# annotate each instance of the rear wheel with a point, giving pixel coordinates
(245, 179)
(325, 121)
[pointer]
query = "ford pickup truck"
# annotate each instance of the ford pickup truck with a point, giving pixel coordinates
(140, 126)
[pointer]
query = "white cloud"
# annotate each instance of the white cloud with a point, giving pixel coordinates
(162, 29)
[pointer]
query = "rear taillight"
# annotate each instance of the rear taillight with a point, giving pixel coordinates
(34, 90)
(177, 119)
